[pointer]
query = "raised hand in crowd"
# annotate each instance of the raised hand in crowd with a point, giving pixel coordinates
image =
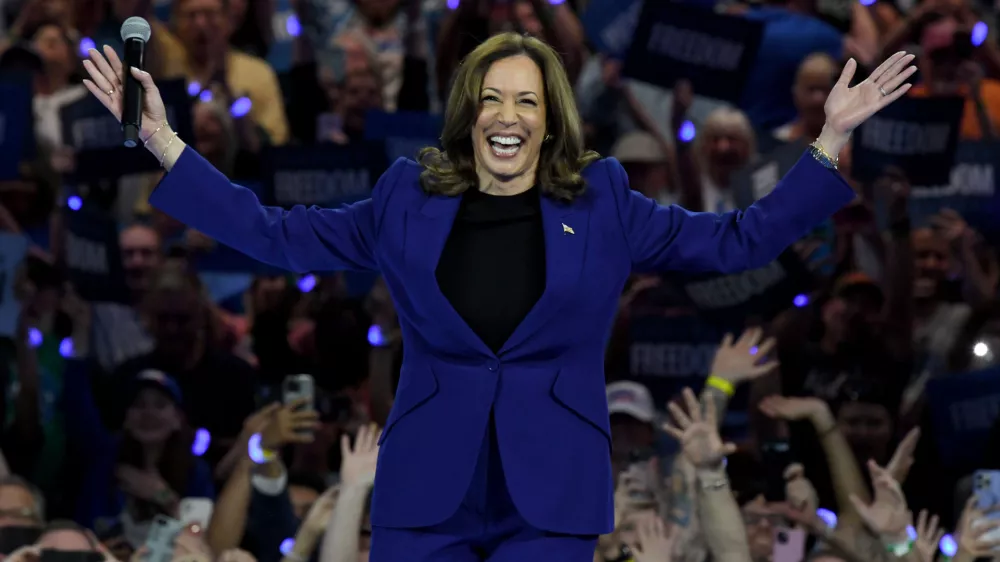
(799, 491)
(928, 537)
(357, 465)
(190, 546)
(902, 458)
(746, 358)
(653, 539)
(147, 485)
(977, 531)
(697, 432)
(887, 516)
(290, 424)
(795, 408)
(342, 542)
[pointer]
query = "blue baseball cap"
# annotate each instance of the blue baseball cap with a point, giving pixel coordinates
(154, 378)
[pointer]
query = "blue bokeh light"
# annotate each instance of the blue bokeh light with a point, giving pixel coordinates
(453, 4)
(375, 336)
(979, 33)
(827, 516)
(74, 202)
(911, 532)
(753, 350)
(66, 347)
(254, 449)
(194, 88)
(686, 132)
(800, 300)
(86, 44)
(292, 26)
(307, 283)
(240, 107)
(202, 439)
(948, 545)
(34, 337)
(286, 546)
(205, 96)
(867, 2)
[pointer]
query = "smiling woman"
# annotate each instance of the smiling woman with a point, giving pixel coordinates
(511, 122)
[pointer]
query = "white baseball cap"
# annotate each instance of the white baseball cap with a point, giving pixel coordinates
(632, 399)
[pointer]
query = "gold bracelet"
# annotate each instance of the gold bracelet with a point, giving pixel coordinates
(166, 148)
(158, 129)
(824, 158)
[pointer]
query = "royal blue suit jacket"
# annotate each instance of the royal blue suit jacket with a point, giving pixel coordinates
(546, 385)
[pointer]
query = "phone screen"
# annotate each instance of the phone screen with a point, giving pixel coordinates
(776, 456)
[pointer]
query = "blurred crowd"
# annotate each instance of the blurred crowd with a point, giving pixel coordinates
(163, 398)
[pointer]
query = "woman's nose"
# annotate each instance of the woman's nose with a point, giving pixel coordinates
(508, 116)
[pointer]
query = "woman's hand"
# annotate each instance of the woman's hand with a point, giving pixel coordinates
(106, 83)
(289, 424)
(745, 359)
(848, 107)
(791, 408)
(698, 433)
(146, 485)
(902, 458)
(799, 491)
(357, 465)
(973, 527)
(319, 514)
(928, 537)
(887, 515)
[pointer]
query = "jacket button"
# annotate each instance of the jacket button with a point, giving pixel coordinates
(493, 365)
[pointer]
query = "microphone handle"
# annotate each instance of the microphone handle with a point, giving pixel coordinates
(132, 104)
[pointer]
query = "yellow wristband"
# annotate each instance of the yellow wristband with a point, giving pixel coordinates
(722, 384)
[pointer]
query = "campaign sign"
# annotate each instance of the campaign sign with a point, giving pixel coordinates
(671, 350)
(714, 51)
(12, 250)
(971, 190)
(93, 257)
(729, 300)
(760, 178)
(285, 27)
(917, 135)
(964, 407)
(609, 25)
(405, 133)
(325, 174)
(16, 122)
(97, 137)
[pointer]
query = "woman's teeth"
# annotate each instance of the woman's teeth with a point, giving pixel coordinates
(505, 146)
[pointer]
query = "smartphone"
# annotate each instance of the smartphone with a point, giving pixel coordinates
(159, 544)
(986, 487)
(195, 511)
(789, 545)
(299, 387)
(775, 456)
(48, 555)
(13, 538)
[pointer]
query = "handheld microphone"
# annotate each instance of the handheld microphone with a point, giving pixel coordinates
(135, 34)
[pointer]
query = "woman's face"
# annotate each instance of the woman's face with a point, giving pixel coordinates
(51, 45)
(152, 417)
(507, 137)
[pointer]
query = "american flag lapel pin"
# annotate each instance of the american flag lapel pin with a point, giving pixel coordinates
(567, 229)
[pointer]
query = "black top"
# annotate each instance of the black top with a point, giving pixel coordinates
(492, 268)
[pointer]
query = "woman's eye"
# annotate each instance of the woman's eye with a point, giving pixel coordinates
(491, 98)
(529, 102)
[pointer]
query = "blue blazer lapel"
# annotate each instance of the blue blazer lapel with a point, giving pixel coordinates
(426, 234)
(565, 227)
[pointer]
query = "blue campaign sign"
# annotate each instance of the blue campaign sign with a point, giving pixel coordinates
(609, 25)
(758, 179)
(671, 349)
(97, 138)
(917, 135)
(380, 125)
(971, 190)
(12, 250)
(325, 174)
(93, 256)
(714, 51)
(964, 408)
(762, 293)
(285, 27)
(16, 124)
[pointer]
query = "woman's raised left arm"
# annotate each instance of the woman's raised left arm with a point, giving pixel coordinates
(662, 238)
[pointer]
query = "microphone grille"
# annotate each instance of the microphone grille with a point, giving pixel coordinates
(136, 28)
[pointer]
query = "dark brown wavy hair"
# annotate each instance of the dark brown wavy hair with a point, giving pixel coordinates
(453, 170)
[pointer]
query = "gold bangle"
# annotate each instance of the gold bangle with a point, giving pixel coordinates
(824, 158)
(165, 148)
(721, 384)
(158, 129)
